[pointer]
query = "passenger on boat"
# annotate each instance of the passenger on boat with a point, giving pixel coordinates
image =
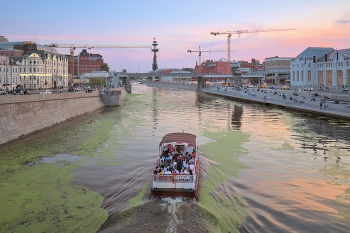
(179, 163)
(161, 172)
(184, 171)
(161, 161)
(156, 171)
(174, 163)
(175, 171)
(194, 154)
(185, 165)
(191, 166)
(167, 172)
(187, 155)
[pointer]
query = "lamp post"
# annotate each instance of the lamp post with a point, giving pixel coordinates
(6, 77)
(11, 78)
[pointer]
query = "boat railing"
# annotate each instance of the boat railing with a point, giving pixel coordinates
(173, 178)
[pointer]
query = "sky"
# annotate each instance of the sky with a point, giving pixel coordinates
(179, 26)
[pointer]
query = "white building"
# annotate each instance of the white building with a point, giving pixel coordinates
(41, 66)
(44, 70)
(9, 73)
(321, 67)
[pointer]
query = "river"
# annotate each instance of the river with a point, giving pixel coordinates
(262, 170)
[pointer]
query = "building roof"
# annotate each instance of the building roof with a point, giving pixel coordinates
(179, 137)
(343, 52)
(25, 46)
(314, 51)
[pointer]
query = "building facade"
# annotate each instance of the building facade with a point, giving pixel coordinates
(9, 73)
(321, 67)
(86, 63)
(277, 70)
(212, 67)
(39, 66)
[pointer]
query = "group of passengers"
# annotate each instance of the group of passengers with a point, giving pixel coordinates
(175, 163)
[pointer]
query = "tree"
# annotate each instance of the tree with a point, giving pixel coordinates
(98, 82)
(104, 67)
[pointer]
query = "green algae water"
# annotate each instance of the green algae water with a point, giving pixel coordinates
(262, 170)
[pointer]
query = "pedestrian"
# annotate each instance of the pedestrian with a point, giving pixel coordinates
(321, 104)
(265, 98)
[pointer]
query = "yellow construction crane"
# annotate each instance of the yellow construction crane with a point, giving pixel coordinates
(72, 47)
(199, 51)
(239, 32)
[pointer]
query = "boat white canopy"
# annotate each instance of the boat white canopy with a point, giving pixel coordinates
(179, 138)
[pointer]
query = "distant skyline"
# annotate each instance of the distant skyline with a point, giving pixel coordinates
(179, 26)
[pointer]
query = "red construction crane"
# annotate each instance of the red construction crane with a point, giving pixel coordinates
(239, 32)
(71, 47)
(199, 51)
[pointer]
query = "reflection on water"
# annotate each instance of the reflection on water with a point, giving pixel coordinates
(265, 170)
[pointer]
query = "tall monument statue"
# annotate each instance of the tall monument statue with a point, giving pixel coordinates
(154, 50)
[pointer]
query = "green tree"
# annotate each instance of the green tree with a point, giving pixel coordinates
(104, 67)
(97, 81)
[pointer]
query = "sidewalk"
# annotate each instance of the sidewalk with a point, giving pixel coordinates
(341, 110)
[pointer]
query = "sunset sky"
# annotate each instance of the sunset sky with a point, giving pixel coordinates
(179, 26)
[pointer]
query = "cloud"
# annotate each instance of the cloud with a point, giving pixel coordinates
(341, 22)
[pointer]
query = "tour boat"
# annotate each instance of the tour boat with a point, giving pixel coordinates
(184, 183)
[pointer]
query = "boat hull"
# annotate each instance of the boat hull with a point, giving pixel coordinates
(170, 192)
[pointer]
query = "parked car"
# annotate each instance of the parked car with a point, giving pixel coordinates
(70, 89)
(285, 87)
(45, 92)
(77, 89)
(273, 87)
(2, 91)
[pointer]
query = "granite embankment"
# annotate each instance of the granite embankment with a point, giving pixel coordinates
(300, 103)
(23, 115)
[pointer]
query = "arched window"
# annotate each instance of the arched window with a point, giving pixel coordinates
(340, 77)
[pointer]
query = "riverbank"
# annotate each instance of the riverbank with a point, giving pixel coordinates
(302, 102)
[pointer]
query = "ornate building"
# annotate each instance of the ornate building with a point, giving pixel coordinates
(39, 66)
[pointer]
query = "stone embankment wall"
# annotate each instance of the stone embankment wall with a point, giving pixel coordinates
(113, 97)
(23, 115)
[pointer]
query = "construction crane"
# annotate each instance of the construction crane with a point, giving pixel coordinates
(239, 32)
(199, 51)
(72, 47)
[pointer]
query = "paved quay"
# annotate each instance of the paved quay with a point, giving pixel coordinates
(302, 102)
